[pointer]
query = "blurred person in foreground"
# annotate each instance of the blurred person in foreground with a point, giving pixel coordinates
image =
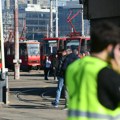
(93, 82)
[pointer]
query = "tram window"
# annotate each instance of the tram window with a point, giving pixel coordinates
(50, 47)
(23, 50)
(33, 49)
(73, 44)
(12, 50)
(85, 45)
(8, 51)
(61, 46)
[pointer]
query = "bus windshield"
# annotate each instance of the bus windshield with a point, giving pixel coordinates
(33, 49)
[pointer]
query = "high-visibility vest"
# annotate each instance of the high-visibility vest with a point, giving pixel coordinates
(81, 81)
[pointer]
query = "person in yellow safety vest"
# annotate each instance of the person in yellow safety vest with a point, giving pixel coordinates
(93, 82)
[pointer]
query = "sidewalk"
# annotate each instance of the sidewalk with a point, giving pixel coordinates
(30, 98)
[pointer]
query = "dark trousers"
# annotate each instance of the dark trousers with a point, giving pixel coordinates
(54, 73)
(46, 73)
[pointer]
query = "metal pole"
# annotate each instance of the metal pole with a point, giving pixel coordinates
(47, 30)
(82, 20)
(56, 18)
(51, 20)
(83, 32)
(2, 41)
(4, 77)
(16, 39)
(33, 33)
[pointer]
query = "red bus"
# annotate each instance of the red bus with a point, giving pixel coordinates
(29, 52)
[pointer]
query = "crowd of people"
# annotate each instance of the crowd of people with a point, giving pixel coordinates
(58, 66)
(53, 65)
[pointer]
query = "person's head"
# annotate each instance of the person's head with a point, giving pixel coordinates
(47, 57)
(87, 53)
(56, 55)
(61, 52)
(104, 34)
(64, 52)
(68, 51)
(83, 54)
(75, 51)
(116, 53)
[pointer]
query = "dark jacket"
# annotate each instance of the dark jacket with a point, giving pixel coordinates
(55, 62)
(60, 72)
(68, 60)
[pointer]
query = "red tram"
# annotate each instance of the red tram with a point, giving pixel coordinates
(82, 43)
(51, 45)
(29, 52)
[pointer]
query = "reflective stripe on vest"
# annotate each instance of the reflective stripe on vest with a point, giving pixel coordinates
(77, 113)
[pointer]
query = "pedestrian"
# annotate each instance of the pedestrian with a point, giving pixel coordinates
(93, 82)
(47, 67)
(55, 63)
(70, 58)
(60, 77)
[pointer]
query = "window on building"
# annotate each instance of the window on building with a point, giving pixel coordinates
(34, 1)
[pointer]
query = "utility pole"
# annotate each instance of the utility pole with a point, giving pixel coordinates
(83, 32)
(16, 61)
(33, 35)
(51, 20)
(3, 71)
(56, 35)
(47, 30)
(82, 20)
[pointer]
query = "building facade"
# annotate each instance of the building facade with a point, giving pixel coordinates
(37, 21)
(34, 19)
(74, 10)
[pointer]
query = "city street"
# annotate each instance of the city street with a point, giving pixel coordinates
(30, 98)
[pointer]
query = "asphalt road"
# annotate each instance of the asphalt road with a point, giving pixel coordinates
(30, 98)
